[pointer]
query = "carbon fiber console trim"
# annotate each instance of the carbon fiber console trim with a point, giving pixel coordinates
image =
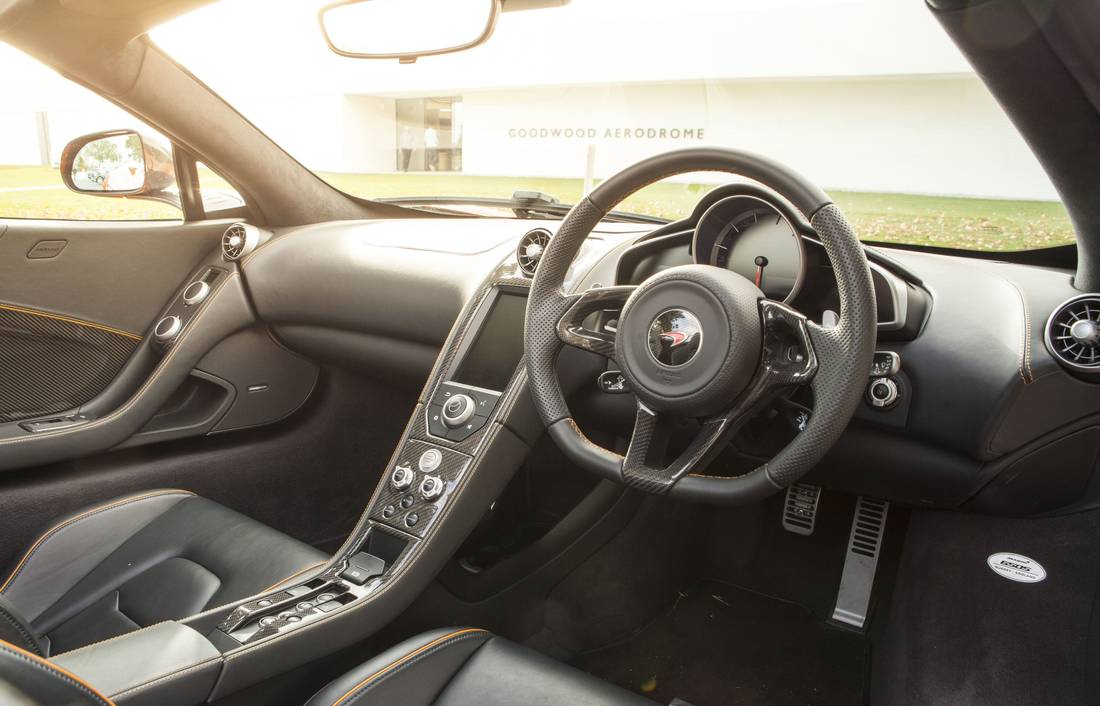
(51, 363)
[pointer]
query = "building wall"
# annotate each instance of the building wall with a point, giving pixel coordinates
(941, 135)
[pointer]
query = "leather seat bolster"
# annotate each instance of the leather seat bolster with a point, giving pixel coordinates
(26, 676)
(14, 629)
(458, 667)
(74, 545)
(412, 673)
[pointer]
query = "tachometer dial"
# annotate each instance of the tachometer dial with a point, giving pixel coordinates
(750, 236)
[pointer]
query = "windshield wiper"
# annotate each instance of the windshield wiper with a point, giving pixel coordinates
(525, 204)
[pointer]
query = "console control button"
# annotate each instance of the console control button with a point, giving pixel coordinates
(329, 606)
(326, 597)
(411, 519)
(388, 511)
(402, 477)
(196, 293)
(304, 605)
(430, 460)
(435, 421)
(458, 409)
(407, 502)
(267, 622)
(431, 487)
(294, 619)
(167, 328)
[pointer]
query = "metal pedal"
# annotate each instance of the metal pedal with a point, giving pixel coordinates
(858, 578)
(800, 508)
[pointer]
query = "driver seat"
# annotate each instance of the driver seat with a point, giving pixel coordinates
(463, 667)
(138, 560)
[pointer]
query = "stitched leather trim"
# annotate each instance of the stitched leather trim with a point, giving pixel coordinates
(62, 674)
(70, 320)
(72, 520)
(397, 664)
(29, 641)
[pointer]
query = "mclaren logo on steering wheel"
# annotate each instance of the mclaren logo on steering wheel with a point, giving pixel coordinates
(675, 337)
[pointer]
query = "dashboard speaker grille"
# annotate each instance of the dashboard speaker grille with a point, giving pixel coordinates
(1073, 333)
(530, 249)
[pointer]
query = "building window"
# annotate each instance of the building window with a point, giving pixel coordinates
(429, 134)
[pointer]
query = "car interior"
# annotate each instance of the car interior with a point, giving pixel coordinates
(301, 446)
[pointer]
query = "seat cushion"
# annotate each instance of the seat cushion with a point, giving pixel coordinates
(460, 667)
(143, 559)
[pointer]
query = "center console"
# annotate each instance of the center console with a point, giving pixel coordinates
(460, 448)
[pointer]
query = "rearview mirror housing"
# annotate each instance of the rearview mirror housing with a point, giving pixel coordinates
(406, 29)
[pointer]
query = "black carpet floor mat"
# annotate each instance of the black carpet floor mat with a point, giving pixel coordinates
(719, 644)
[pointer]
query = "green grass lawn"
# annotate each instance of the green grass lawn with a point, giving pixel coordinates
(973, 224)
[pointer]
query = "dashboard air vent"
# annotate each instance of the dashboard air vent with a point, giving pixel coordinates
(1073, 334)
(531, 247)
(238, 240)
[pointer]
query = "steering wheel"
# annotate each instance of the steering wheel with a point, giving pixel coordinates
(702, 342)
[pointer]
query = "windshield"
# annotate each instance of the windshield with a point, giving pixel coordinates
(869, 98)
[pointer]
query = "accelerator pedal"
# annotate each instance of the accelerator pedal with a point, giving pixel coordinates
(800, 508)
(864, 544)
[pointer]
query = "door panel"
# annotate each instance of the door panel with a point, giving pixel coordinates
(114, 273)
(51, 363)
(76, 299)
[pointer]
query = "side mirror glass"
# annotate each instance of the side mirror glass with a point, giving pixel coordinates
(117, 163)
(406, 29)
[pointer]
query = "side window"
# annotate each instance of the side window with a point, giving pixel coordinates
(40, 113)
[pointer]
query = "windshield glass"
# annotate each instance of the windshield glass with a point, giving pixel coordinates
(869, 98)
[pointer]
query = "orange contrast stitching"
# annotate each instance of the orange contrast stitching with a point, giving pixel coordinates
(396, 663)
(67, 319)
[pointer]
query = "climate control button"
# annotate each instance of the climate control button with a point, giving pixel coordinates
(402, 478)
(431, 487)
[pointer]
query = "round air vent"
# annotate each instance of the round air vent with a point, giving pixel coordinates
(238, 240)
(531, 247)
(1073, 334)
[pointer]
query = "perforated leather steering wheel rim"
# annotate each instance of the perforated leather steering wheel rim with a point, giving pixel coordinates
(842, 353)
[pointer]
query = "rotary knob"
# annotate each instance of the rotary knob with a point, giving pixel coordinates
(195, 293)
(431, 487)
(401, 478)
(457, 410)
(882, 393)
(167, 328)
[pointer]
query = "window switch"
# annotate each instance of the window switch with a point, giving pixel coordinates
(362, 568)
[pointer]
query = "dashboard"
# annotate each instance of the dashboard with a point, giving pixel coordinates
(980, 413)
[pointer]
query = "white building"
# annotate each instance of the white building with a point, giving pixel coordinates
(857, 94)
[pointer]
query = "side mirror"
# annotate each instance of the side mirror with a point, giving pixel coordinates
(406, 29)
(118, 163)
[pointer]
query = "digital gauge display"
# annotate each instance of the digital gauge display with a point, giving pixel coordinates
(749, 236)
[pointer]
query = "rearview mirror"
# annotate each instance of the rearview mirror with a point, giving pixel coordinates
(117, 163)
(406, 29)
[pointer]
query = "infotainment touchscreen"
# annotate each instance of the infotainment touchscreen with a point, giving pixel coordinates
(491, 359)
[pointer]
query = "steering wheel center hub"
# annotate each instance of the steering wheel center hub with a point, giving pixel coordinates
(675, 337)
(690, 338)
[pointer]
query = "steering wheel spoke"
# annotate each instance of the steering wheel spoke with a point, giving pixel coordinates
(606, 302)
(788, 359)
(699, 342)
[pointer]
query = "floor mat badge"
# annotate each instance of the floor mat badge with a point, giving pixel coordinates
(800, 508)
(1017, 567)
(864, 544)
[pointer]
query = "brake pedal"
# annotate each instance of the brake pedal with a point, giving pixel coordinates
(864, 545)
(800, 508)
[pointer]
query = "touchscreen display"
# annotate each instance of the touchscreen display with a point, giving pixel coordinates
(492, 358)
